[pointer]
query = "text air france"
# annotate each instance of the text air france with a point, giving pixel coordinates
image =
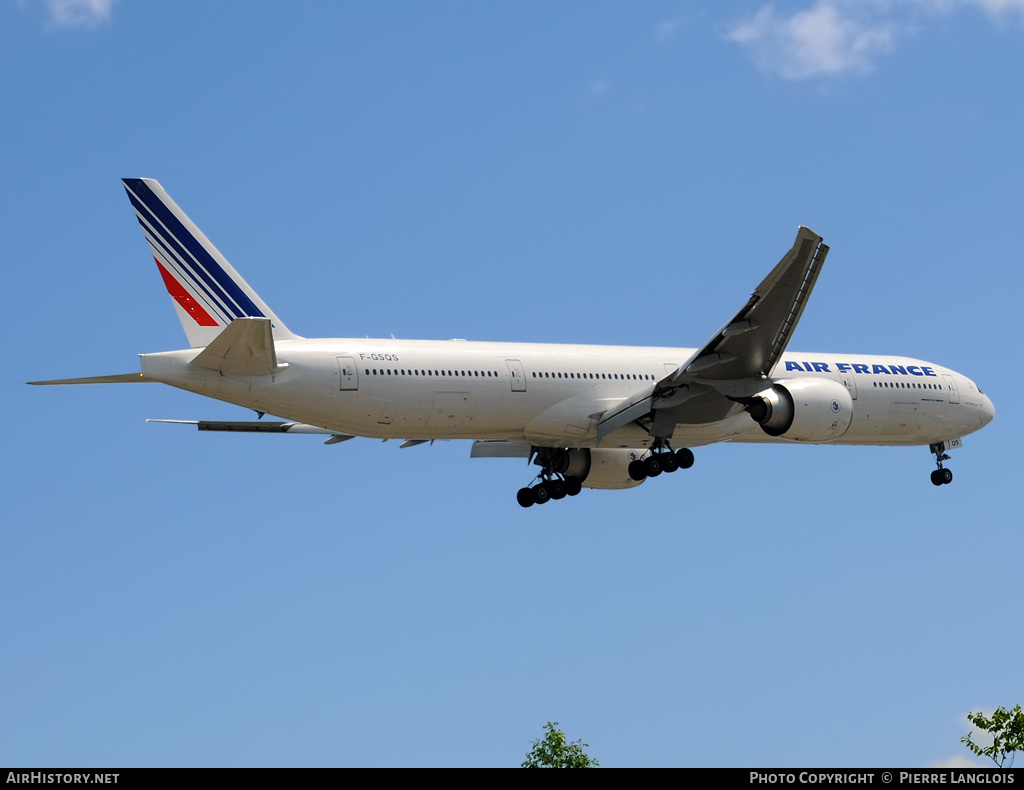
(849, 367)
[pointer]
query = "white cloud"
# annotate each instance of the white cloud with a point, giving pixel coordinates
(1000, 8)
(599, 87)
(79, 13)
(833, 37)
(826, 39)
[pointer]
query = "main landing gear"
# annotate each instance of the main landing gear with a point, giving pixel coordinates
(562, 474)
(661, 459)
(940, 476)
(551, 486)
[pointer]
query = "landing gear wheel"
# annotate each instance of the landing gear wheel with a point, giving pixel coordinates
(685, 458)
(558, 489)
(524, 496)
(573, 486)
(652, 466)
(940, 476)
(669, 462)
(541, 494)
(636, 471)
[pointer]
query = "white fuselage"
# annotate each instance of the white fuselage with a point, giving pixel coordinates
(552, 395)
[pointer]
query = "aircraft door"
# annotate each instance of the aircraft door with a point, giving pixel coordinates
(516, 374)
(348, 374)
(954, 393)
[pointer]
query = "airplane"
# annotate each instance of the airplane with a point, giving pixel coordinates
(599, 417)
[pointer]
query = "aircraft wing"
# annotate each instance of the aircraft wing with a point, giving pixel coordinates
(747, 347)
(752, 342)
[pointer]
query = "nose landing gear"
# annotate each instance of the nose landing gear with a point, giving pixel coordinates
(940, 476)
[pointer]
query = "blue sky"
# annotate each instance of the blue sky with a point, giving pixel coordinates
(585, 172)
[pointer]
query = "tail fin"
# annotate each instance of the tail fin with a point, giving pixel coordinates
(208, 293)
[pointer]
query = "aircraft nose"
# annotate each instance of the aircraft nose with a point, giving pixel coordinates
(988, 411)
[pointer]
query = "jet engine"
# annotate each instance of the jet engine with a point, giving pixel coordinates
(803, 410)
(597, 468)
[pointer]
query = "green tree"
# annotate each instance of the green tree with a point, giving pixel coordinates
(554, 751)
(1007, 731)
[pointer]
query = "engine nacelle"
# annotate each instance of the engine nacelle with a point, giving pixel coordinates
(803, 410)
(597, 468)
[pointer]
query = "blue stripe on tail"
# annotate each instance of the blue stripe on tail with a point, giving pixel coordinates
(156, 208)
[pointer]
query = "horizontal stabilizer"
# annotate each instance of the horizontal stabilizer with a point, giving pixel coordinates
(244, 348)
(261, 427)
(120, 378)
(250, 426)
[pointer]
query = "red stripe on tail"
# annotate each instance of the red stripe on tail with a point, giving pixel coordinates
(182, 297)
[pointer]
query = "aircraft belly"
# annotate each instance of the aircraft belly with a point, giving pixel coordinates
(412, 413)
